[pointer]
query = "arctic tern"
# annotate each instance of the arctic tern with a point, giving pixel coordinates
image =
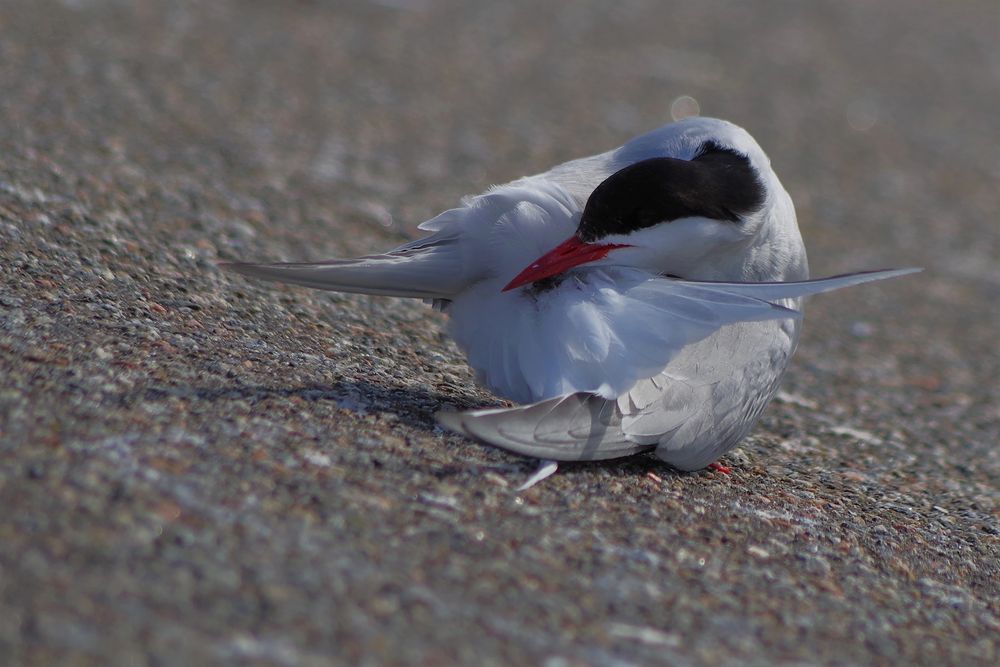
(646, 298)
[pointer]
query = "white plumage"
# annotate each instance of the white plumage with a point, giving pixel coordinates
(671, 330)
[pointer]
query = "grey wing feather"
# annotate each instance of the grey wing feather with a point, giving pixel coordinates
(427, 269)
(574, 427)
(792, 289)
(711, 401)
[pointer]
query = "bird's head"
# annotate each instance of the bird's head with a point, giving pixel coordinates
(697, 212)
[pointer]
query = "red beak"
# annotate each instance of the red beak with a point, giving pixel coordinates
(571, 252)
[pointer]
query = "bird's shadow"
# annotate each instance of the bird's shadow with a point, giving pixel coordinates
(411, 406)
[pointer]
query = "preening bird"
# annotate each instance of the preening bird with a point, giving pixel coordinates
(647, 298)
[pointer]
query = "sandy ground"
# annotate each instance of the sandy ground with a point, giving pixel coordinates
(197, 469)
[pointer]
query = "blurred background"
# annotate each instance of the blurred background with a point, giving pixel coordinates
(182, 498)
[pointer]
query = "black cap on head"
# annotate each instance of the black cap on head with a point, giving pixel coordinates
(718, 183)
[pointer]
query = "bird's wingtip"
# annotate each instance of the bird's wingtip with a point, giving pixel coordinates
(892, 273)
(231, 265)
(451, 420)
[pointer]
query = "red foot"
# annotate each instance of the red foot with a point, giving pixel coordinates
(718, 467)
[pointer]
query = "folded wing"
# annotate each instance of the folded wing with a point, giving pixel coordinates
(600, 331)
(696, 406)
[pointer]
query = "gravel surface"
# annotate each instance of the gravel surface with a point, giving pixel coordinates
(199, 469)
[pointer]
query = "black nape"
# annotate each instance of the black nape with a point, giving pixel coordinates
(717, 183)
